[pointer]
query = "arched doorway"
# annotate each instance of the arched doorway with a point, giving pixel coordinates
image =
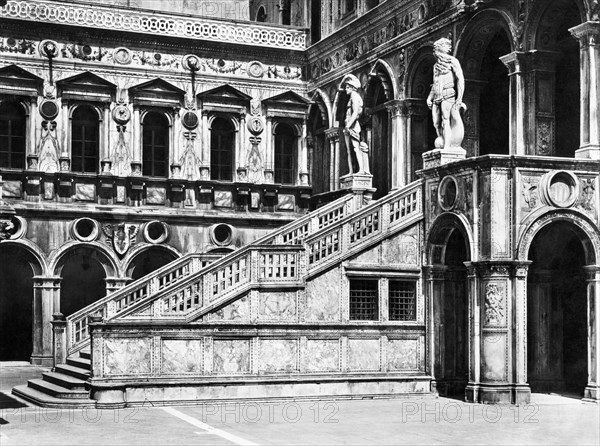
(379, 91)
(83, 279)
(149, 261)
(449, 250)
(422, 132)
(556, 68)
(486, 38)
(16, 303)
(319, 156)
(557, 311)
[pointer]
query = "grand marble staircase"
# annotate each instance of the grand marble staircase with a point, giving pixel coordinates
(187, 289)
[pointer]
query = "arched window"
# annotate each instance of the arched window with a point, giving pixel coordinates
(261, 15)
(222, 147)
(155, 145)
(285, 154)
(85, 131)
(12, 135)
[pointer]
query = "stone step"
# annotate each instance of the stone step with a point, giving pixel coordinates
(86, 354)
(75, 372)
(44, 400)
(66, 381)
(76, 361)
(57, 391)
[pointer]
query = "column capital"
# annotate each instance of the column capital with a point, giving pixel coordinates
(592, 272)
(333, 133)
(516, 62)
(396, 107)
(588, 33)
(434, 272)
(47, 281)
(502, 268)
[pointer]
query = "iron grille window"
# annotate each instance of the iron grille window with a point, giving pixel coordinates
(222, 146)
(364, 300)
(156, 145)
(285, 149)
(84, 140)
(12, 136)
(402, 301)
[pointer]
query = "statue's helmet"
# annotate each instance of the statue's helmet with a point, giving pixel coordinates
(444, 45)
(352, 80)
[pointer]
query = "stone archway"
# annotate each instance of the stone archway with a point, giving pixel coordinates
(486, 37)
(17, 306)
(556, 311)
(449, 251)
(149, 260)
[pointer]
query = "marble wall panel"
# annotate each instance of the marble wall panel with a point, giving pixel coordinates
(323, 297)
(238, 310)
(403, 354)
(127, 356)
(182, 356)
(223, 199)
(231, 356)
(278, 356)
(370, 256)
(322, 355)
(494, 356)
(12, 189)
(156, 195)
(85, 192)
(364, 354)
(401, 249)
(277, 306)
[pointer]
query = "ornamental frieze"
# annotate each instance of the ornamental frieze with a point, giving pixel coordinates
(149, 59)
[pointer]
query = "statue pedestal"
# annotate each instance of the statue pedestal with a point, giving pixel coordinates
(437, 157)
(359, 183)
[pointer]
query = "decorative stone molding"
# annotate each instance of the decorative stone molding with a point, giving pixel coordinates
(107, 18)
(559, 189)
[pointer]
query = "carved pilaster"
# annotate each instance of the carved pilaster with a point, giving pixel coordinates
(592, 390)
(516, 64)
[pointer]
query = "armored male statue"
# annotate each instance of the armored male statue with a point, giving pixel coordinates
(445, 98)
(352, 129)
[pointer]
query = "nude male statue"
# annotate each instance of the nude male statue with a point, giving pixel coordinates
(445, 98)
(352, 129)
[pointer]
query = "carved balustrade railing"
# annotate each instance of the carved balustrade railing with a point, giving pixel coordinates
(260, 265)
(187, 296)
(155, 23)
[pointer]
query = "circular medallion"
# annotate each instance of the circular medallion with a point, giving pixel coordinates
(255, 69)
(255, 125)
(221, 234)
(155, 232)
(122, 56)
(559, 189)
(48, 110)
(85, 229)
(191, 62)
(48, 48)
(448, 193)
(121, 114)
(189, 120)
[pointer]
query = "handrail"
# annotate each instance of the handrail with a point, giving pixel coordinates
(128, 298)
(242, 270)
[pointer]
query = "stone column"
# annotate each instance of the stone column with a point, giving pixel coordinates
(46, 301)
(541, 132)
(59, 337)
(106, 121)
(588, 34)
(136, 143)
(269, 149)
(434, 293)
(499, 303)
(241, 156)
(303, 156)
(333, 136)
(592, 390)
(401, 158)
(516, 64)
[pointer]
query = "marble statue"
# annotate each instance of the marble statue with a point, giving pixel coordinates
(445, 98)
(352, 129)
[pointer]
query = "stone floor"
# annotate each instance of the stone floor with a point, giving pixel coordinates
(550, 419)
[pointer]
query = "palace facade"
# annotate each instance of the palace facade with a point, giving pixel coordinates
(180, 222)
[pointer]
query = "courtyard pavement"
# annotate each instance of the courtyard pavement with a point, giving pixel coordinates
(550, 419)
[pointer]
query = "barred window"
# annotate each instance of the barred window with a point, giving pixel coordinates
(364, 300)
(155, 145)
(12, 135)
(285, 154)
(222, 149)
(85, 129)
(402, 301)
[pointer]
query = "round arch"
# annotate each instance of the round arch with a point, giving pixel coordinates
(420, 73)
(232, 120)
(129, 262)
(384, 72)
(34, 256)
(441, 230)
(588, 232)
(323, 102)
(98, 252)
(542, 26)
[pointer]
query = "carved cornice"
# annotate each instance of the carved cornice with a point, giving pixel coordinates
(587, 33)
(156, 23)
